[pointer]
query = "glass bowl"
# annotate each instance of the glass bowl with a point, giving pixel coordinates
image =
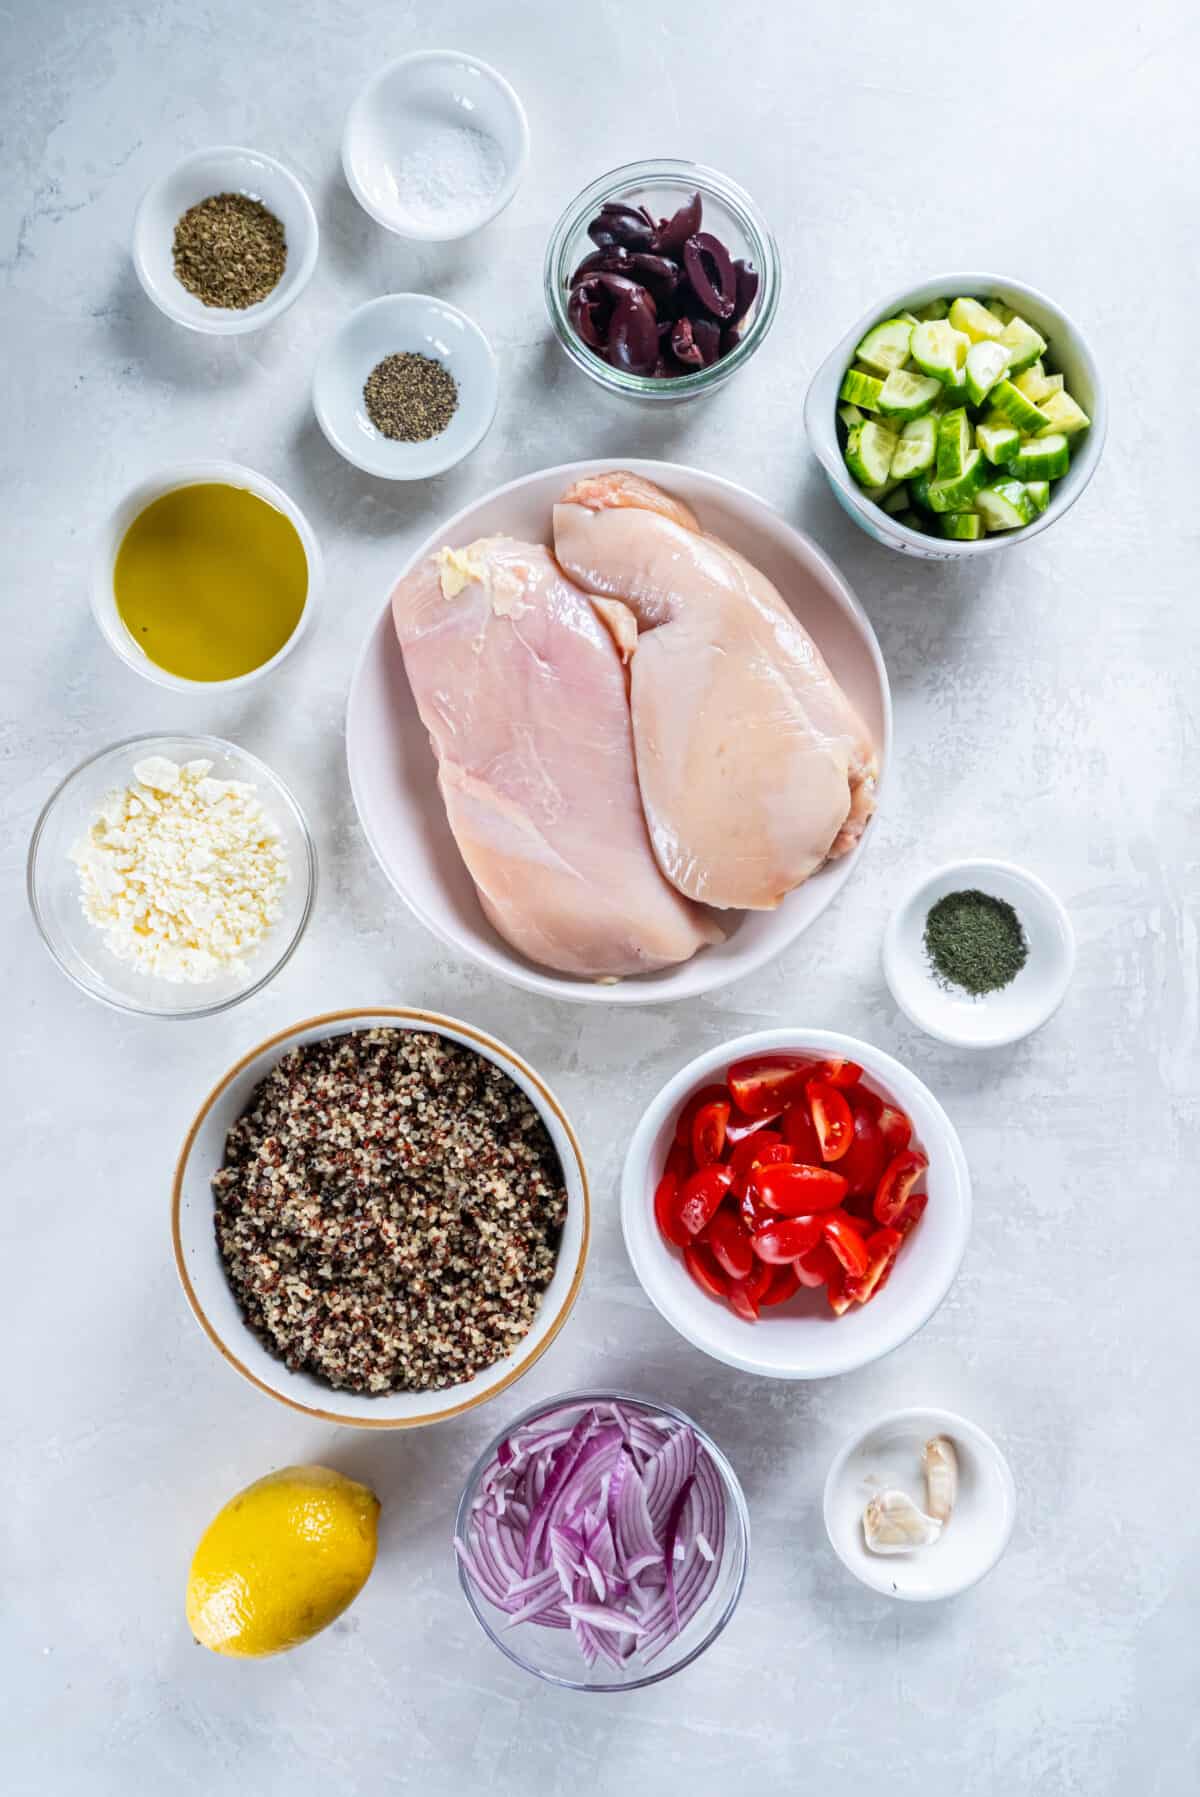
(662, 186)
(551, 1653)
(79, 946)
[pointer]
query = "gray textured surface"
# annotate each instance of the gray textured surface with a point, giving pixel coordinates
(1045, 712)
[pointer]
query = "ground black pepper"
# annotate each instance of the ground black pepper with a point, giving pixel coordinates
(410, 398)
(975, 941)
(229, 250)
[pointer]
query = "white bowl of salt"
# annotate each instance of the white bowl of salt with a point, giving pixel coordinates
(435, 145)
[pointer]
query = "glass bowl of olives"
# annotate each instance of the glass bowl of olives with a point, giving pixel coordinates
(662, 280)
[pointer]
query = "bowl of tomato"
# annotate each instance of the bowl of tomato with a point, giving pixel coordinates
(796, 1203)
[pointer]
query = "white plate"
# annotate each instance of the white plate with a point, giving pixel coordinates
(994, 1018)
(392, 773)
(888, 1454)
(203, 1275)
(226, 169)
(802, 1339)
(401, 323)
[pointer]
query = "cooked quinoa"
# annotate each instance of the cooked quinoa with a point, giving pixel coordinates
(389, 1211)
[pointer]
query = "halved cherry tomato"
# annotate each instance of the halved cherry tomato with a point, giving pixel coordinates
(739, 1128)
(695, 1104)
(817, 1267)
(839, 1298)
(700, 1196)
(798, 1191)
(752, 1213)
(832, 1118)
(745, 1295)
(785, 1283)
(800, 1134)
(679, 1161)
(860, 1225)
(666, 1210)
(845, 1241)
(882, 1249)
(840, 1073)
(912, 1213)
(894, 1125)
(900, 1176)
(763, 1083)
(787, 1238)
(863, 1163)
(748, 1152)
(708, 1132)
(704, 1270)
(729, 1240)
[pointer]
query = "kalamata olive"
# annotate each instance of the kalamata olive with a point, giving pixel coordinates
(614, 262)
(592, 303)
(633, 333)
(657, 273)
(710, 271)
(620, 225)
(673, 232)
(684, 346)
(707, 337)
(746, 291)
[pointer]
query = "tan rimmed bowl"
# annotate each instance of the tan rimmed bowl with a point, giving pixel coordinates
(207, 1289)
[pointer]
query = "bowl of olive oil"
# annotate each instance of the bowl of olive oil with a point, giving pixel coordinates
(206, 576)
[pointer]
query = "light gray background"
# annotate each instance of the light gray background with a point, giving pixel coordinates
(1045, 711)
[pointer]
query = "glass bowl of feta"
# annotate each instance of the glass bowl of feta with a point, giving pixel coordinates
(171, 876)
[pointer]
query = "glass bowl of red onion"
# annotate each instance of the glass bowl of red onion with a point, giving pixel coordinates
(662, 280)
(602, 1541)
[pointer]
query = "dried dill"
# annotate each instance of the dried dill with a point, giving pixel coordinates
(229, 250)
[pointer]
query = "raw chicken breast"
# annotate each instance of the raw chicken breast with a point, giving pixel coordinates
(523, 693)
(754, 766)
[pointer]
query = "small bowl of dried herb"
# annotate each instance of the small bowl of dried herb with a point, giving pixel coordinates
(406, 387)
(979, 953)
(225, 241)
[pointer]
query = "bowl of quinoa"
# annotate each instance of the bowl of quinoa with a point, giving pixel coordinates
(381, 1217)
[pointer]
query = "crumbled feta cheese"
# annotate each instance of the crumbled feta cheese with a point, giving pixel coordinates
(182, 872)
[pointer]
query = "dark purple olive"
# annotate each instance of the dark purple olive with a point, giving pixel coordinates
(612, 262)
(711, 273)
(592, 303)
(746, 293)
(633, 333)
(673, 232)
(684, 346)
(621, 226)
(657, 273)
(707, 336)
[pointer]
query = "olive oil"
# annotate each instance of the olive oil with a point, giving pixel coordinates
(210, 581)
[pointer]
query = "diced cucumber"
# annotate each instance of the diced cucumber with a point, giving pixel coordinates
(1042, 458)
(897, 499)
(1005, 505)
(1013, 406)
(869, 450)
(908, 317)
(1023, 343)
(958, 495)
(918, 491)
(886, 345)
(965, 527)
(1039, 492)
(916, 449)
(850, 416)
(878, 495)
(1052, 383)
(1062, 414)
(911, 520)
(953, 444)
(935, 309)
(1004, 313)
(976, 321)
(1032, 381)
(987, 362)
(938, 349)
(907, 395)
(998, 441)
(860, 389)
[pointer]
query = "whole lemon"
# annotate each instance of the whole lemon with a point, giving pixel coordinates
(281, 1561)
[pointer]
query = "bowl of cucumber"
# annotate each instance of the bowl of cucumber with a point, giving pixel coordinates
(958, 416)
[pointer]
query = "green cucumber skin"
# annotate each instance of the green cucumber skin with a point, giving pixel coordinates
(1039, 492)
(1005, 505)
(1042, 458)
(916, 450)
(957, 495)
(953, 444)
(859, 389)
(1014, 408)
(963, 527)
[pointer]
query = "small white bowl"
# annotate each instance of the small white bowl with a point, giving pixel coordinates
(226, 169)
(802, 1339)
(888, 1455)
(415, 323)
(995, 1018)
(168, 480)
(403, 111)
(202, 1274)
(1068, 352)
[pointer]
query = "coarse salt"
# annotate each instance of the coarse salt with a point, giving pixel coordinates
(182, 872)
(448, 177)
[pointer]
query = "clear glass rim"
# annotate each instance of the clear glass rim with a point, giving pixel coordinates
(666, 172)
(738, 1514)
(275, 784)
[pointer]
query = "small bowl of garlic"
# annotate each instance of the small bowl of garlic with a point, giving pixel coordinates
(920, 1505)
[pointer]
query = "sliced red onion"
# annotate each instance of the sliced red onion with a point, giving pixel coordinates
(603, 1520)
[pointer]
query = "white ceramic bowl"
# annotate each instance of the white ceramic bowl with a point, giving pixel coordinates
(994, 1018)
(398, 323)
(802, 1339)
(207, 1289)
(167, 480)
(1068, 353)
(888, 1454)
(226, 169)
(78, 946)
(392, 769)
(403, 113)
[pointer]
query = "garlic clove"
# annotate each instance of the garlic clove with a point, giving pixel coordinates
(892, 1524)
(940, 1461)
